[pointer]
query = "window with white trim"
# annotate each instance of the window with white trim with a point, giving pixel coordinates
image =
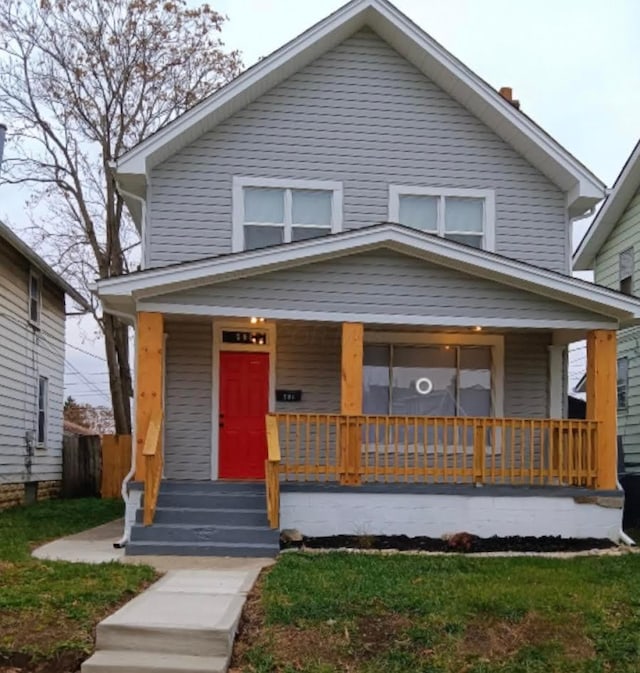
(270, 211)
(462, 215)
(35, 297)
(625, 268)
(43, 397)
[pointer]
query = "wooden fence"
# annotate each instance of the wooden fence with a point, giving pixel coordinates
(81, 466)
(94, 466)
(116, 462)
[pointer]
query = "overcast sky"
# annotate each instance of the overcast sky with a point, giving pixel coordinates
(573, 64)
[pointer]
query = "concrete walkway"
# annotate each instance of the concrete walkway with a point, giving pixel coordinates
(184, 623)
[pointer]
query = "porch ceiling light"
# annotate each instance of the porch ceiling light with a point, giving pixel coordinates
(255, 320)
(477, 328)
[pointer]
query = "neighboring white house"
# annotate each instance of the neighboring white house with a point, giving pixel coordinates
(32, 336)
(363, 241)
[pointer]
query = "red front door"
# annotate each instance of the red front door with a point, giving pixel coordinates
(244, 401)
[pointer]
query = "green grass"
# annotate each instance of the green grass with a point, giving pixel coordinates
(372, 614)
(48, 608)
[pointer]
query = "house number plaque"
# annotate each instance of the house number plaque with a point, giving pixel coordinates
(241, 337)
(288, 395)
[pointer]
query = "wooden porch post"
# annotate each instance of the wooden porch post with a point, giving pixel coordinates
(601, 402)
(149, 378)
(351, 400)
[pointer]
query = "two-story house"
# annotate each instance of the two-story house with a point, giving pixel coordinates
(32, 337)
(610, 248)
(356, 289)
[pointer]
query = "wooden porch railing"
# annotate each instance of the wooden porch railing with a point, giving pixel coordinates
(353, 449)
(272, 472)
(153, 464)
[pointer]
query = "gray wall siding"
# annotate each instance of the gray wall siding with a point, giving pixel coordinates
(308, 358)
(626, 234)
(362, 115)
(188, 403)
(380, 282)
(526, 379)
(26, 354)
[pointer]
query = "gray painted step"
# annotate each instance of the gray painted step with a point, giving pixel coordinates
(129, 661)
(239, 549)
(212, 500)
(207, 533)
(199, 515)
(212, 487)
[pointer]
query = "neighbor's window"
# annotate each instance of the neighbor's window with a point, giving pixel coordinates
(623, 383)
(464, 216)
(43, 395)
(35, 298)
(271, 212)
(625, 265)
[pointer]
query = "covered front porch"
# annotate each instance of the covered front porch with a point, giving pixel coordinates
(381, 359)
(306, 407)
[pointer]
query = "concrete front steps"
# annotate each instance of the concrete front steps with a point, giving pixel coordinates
(185, 623)
(208, 518)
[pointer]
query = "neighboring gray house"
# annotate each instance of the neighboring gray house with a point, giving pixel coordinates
(32, 335)
(611, 247)
(362, 241)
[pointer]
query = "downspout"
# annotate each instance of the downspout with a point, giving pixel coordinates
(129, 505)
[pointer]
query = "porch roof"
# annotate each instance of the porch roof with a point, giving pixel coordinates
(121, 295)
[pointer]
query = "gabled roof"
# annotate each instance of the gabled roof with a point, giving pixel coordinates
(121, 293)
(624, 189)
(540, 149)
(37, 262)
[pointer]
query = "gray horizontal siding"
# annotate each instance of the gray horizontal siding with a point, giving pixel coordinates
(25, 354)
(526, 378)
(380, 282)
(188, 404)
(308, 359)
(363, 115)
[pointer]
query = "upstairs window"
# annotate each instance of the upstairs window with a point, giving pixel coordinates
(270, 212)
(35, 298)
(625, 268)
(461, 215)
(623, 384)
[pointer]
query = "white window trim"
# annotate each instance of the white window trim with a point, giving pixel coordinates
(38, 276)
(239, 183)
(42, 444)
(489, 196)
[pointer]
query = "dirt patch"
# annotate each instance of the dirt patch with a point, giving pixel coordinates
(66, 662)
(497, 640)
(336, 643)
(458, 543)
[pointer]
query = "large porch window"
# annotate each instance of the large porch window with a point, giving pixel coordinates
(417, 380)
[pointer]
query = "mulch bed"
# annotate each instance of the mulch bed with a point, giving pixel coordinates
(460, 542)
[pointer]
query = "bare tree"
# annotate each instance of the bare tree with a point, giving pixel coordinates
(82, 81)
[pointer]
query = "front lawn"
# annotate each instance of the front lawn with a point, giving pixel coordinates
(49, 609)
(357, 613)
